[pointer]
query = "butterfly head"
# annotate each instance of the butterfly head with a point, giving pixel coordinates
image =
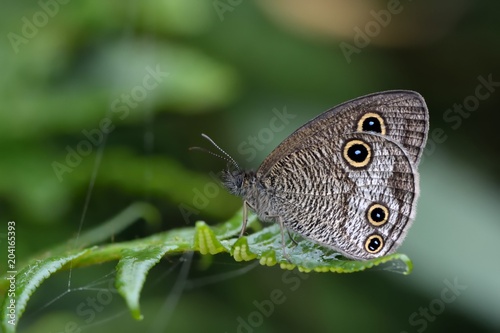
(237, 181)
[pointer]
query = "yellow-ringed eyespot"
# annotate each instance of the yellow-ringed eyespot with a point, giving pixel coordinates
(357, 153)
(377, 215)
(371, 122)
(374, 244)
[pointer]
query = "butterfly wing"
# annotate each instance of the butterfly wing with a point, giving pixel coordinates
(404, 114)
(360, 205)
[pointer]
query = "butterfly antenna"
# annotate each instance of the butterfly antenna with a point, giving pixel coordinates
(225, 157)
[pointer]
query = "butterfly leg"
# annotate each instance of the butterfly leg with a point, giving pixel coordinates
(282, 228)
(291, 237)
(283, 244)
(245, 218)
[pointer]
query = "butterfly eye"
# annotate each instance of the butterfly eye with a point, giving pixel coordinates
(371, 122)
(374, 244)
(357, 153)
(377, 215)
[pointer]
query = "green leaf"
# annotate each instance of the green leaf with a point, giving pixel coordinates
(26, 282)
(306, 256)
(132, 270)
(137, 257)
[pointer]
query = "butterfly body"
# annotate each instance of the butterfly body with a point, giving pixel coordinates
(348, 178)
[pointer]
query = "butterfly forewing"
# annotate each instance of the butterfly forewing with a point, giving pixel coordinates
(405, 114)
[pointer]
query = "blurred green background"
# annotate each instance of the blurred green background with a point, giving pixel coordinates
(156, 74)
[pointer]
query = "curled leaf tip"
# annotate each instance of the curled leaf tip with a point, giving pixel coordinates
(205, 240)
(241, 250)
